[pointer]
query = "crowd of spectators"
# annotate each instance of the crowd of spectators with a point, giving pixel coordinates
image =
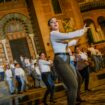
(16, 74)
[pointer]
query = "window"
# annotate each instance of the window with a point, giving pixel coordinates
(56, 6)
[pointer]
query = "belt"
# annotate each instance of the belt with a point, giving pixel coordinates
(61, 54)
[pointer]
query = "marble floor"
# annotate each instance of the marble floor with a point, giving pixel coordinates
(95, 97)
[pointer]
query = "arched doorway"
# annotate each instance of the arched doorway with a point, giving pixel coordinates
(19, 48)
(89, 22)
(101, 22)
(16, 29)
(92, 32)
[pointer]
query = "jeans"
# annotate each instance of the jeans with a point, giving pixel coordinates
(96, 61)
(2, 76)
(64, 70)
(47, 79)
(19, 83)
(23, 84)
(10, 84)
(85, 76)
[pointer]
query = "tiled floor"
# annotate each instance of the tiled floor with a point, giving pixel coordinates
(95, 97)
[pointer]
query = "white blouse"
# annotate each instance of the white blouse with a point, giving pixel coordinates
(57, 37)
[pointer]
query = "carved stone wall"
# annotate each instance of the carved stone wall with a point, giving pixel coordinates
(44, 10)
(11, 12)
(94, 15)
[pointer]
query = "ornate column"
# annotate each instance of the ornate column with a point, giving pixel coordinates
(32, 39)
(5, 50)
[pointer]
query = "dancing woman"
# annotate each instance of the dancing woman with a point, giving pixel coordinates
(61, 59)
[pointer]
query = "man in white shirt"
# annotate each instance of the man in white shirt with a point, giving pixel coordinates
(44, 66)
(94, 56)
(20, 77)
(82, 57)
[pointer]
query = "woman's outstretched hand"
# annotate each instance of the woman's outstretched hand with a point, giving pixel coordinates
(85, 28)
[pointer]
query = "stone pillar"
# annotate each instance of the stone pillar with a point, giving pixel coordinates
(76, 13)
(5, 50)
(34, 47)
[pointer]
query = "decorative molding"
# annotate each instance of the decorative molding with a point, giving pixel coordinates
(68, 24)
(84, 7)
(14, 16)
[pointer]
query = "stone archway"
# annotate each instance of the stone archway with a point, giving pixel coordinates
(92, 32)
(89, 33)
(101, 22)
(15, 16)
(16, 26)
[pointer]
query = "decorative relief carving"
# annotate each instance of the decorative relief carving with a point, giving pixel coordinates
(68, 24)
(13, 23)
